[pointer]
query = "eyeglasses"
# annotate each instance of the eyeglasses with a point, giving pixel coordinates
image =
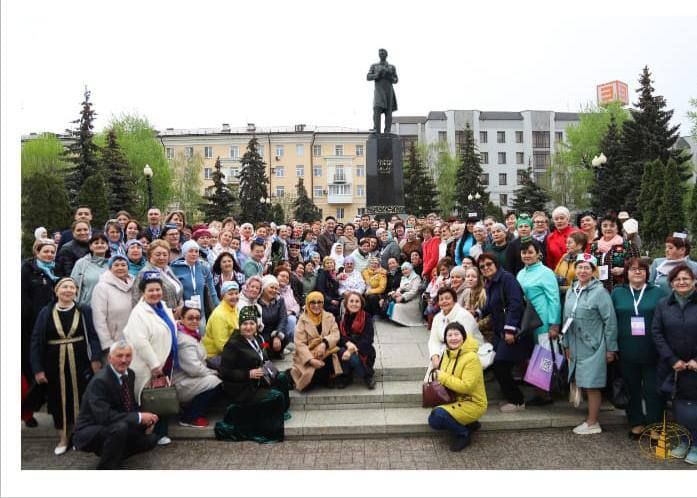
(539, 222)
(193, 318)
(316, 302)
(486, 265)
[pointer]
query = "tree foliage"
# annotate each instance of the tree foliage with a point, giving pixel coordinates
(44, 204)
(693, 213)
(420, 194)
(529, 196)
(650, 201)
(445, 166)
(469, 174)
(186, 185)
(221, 202)
(567, 182)
(82, 152)
(276, 214)
(254, 185)
(603, 190)
(43, 154)
(95, 194)
(305, 210)
(672, 215)
(122, 195)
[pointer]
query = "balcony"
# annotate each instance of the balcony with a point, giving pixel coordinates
(340, 193)
(339, 178)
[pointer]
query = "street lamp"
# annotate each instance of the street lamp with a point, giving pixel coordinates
(598, 161)
(147, 171)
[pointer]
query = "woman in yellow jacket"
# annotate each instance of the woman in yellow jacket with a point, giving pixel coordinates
(460, 372)
(224, 320)
(375, 284)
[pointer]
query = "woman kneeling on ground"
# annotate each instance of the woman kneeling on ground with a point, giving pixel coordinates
(460, 371)
(356, 342)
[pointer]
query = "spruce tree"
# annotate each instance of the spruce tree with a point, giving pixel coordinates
(693, 214)
(277, 215)
(529, 197)
(647, 136)
(83, 153)
(608, 176)
(469, 174)
(95, 194)
(304, 209)
(253, 185)
(672, 214)
(221, 202)
(420, 194)
(122, 194)
(44, 204)
(650, 201)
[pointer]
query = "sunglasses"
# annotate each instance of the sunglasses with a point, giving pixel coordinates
(316, 302)
(486, 265)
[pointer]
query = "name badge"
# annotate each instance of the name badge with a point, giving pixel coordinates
(603, 272)
(638, 325)
(196, 299)
(567, 324)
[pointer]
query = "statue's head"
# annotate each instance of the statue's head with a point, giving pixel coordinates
(383, 54)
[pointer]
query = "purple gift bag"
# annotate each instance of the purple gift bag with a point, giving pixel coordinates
(539, 372)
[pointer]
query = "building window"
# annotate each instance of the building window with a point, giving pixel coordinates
(208, 151)
(540, 139)
(279, 151)
(316, 150)
(483, 137)
(235, 151)
(501, 137)
(280, 173)
(442, 136)
(338, 150)
(280, 191)
(541, 159)
(317, 191)
(522, 176)
(485, 178)
(558, 136)
(360, 211)
(260, 151)
(207, 172)
(235, 172)
(359, 150)
(519, 137)
(339, 174)
(339, 213)
(317, 170)
(360, 170)
(170, 152)
(484, 157)
(503, 200)
(340, 189)
(300, 171)
(519, 158)
(502, 158)
(360, 191)
(299, 150)
(189, 152)
(503, 179)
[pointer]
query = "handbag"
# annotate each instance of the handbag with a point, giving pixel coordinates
(161, 401)
(486, 355)
(433, 393)
(617, 391)
(270, 372)
(529, 321)
(541, 367)
(560, 372)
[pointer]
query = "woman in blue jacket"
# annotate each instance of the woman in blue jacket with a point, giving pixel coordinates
(196, 279)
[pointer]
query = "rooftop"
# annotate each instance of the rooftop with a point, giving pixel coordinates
(500, 116)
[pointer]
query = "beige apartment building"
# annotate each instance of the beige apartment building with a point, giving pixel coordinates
(331, 162)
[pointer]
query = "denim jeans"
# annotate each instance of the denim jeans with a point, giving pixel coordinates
(685, 414)
(290, 330)
(199, 405)
(439, 419)
(354, 366)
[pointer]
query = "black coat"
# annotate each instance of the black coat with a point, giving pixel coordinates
(237, 359)
(102, 406)
(514, 262)
(363, 341)
(675, 335)
(37, 292)
(68, 256)
(328, 286)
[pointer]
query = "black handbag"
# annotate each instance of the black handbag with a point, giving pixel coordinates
(559, 385)
(617, 391)
(270, 372)
(530, 320)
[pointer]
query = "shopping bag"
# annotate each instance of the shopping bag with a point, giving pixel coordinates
(540, 368)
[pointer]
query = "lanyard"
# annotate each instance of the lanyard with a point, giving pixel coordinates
(192, 270)
(637, 301)
(253, 343)
(578, 291)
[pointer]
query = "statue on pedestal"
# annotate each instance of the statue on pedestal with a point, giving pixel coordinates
(384, 100)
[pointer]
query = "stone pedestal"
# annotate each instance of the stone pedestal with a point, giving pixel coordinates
(384, 175)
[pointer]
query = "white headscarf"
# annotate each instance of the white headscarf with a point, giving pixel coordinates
(338, 258)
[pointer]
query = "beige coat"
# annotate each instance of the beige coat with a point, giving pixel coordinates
(193, 376)
(305, 331)
(111, 307)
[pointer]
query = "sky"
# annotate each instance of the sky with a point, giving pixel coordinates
(201, 64)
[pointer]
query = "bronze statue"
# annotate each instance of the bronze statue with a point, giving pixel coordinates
(384, 100)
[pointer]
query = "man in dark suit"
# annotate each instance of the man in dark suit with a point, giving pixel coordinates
(154, 228)
(109, 423)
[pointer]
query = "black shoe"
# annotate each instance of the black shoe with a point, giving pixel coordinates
(539, 401)
(370, 382)
(460, 443)
(31, 423)
(474, 426)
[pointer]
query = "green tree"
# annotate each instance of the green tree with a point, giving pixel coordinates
(693, 212)
(650, 200)
(186, 185)
(254, 185)
(648, 136)
(469, 174)
(44, 204)
(95, 194)
(692, 116)
(44, 154)
(305, 210)
(607, 176)
(221, 202)
(141, 145)
(445, 166)
(567, 182)
(277, 215)
(82, 153)
(671, 214)
(122, 195)
(420, 194)
(529, 197)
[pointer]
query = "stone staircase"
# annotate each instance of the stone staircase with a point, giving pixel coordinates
(393, 408)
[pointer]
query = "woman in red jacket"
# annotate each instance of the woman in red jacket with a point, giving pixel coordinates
(429, 249)
(556, 240)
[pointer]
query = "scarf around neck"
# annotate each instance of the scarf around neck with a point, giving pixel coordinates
(47, 268)
(159, 310)
(186, 330)
(605, 245)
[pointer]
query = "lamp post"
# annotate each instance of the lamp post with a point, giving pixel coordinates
(598, 162)
(147, 171)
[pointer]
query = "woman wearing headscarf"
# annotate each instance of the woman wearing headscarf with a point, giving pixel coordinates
(315, 359)
(90, 267)
(406, 309)
(328, 285)
(375, 278)
(115, 237)
(135, 256)
(356, 349)
(499, 244)
(524, 228)
(275, 317)
(37, 291)
(111, 302)
(40, 233)
(457, 283)
(337, 254)
(65, 354)
(222, 323)
(677, 251)
(259, 402)
(350, 280)
(611, 250)
(158, 260)
(152, 332)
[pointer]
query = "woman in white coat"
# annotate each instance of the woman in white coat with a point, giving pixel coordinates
(406, 309)
(152, 333)
(450, 311)
(111, 303)
(196, 384)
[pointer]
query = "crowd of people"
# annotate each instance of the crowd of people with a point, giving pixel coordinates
(110, 312)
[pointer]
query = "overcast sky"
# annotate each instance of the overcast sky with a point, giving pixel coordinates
(200, 64)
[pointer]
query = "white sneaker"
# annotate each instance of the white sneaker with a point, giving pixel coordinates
(164, 441)
(510, 407)
(584, 429)
(59, 450)
(680, 451)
